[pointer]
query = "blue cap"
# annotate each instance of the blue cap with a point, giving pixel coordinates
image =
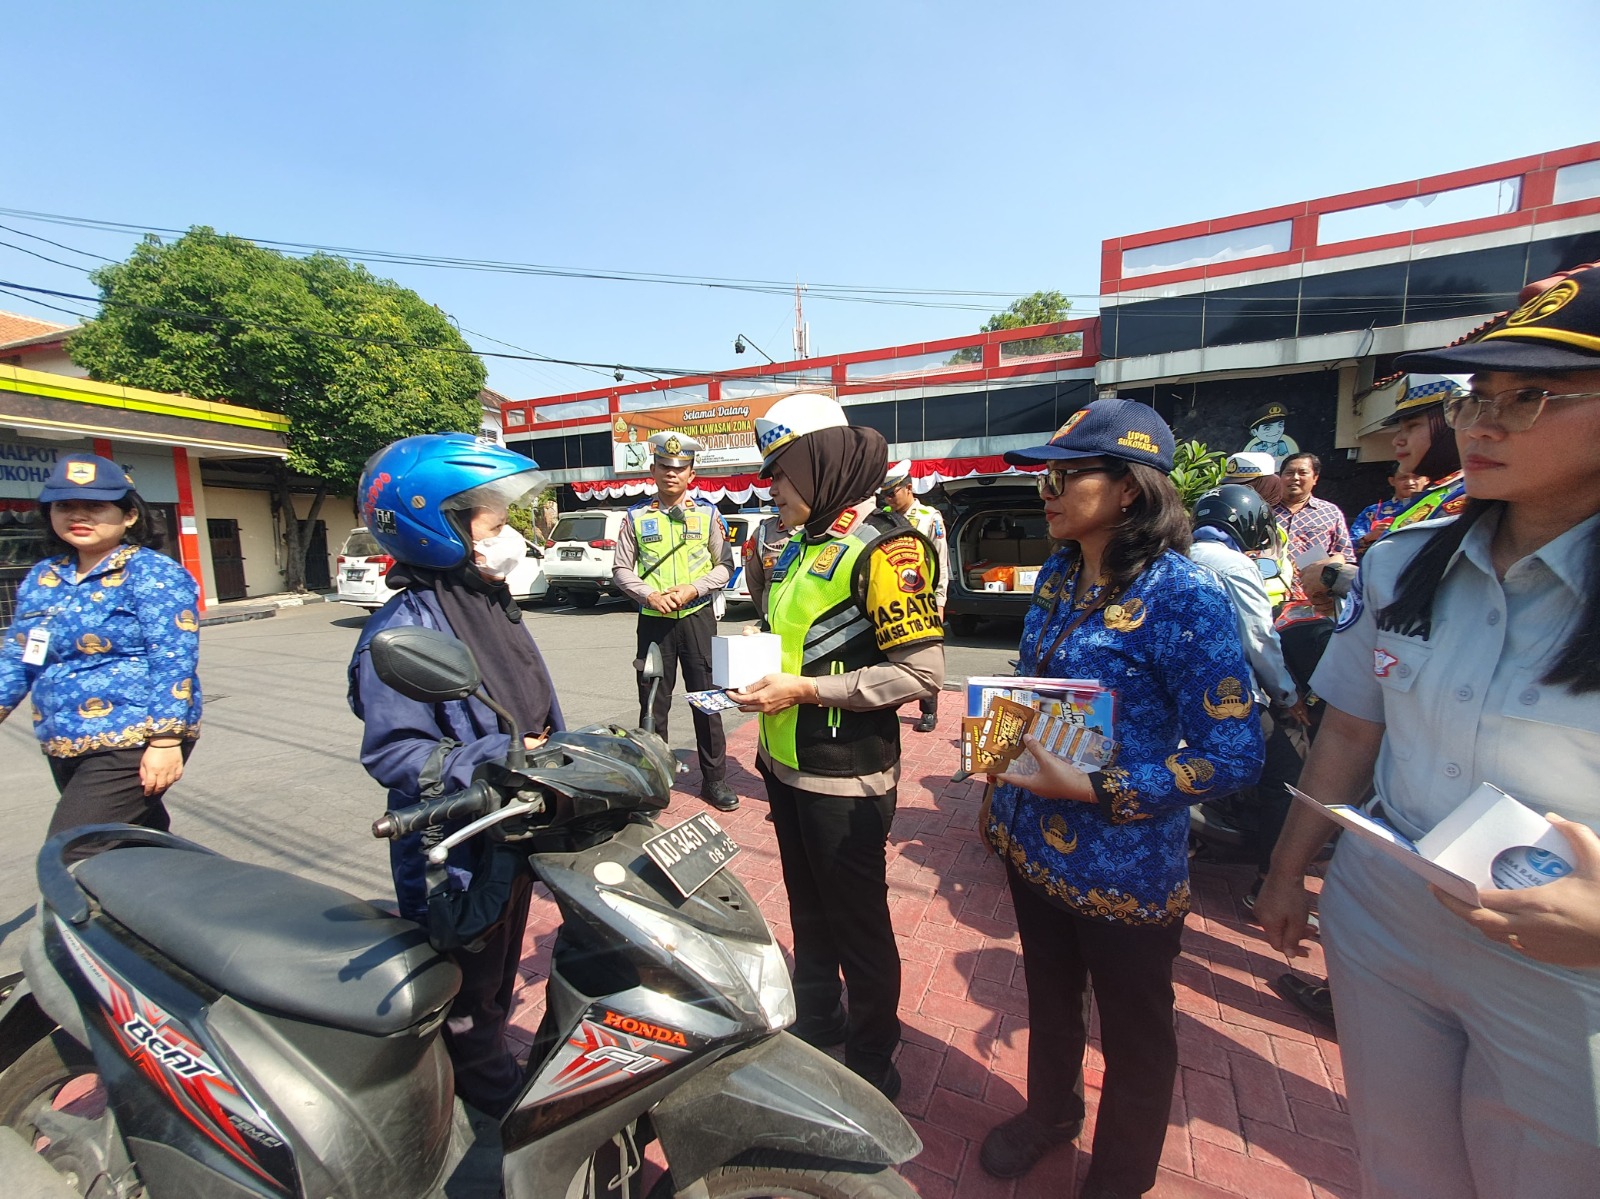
(85, 477)
(1111, 428)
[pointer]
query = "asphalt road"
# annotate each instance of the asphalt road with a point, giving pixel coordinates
(275, 779)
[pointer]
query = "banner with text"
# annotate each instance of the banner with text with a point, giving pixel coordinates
(725, 429)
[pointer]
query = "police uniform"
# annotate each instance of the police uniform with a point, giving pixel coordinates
(661, 548)
(765, 547)
(856, 612)
(928, 521)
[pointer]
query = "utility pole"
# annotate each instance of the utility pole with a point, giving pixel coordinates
(802, 331)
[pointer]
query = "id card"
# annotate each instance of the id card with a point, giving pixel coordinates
(715, 700)
(33, 653)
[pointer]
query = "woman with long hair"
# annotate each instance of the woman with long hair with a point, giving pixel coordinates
(1472, 658)
(438, 504)
(853, 597)
(1097, 863)
(107, 638)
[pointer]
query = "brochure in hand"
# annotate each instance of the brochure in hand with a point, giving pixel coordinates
(1490, 840)
(710, 702)
(1072, 718)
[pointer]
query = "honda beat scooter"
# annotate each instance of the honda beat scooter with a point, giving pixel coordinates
(192, 1027)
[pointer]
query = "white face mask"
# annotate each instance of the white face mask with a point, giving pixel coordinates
(497, 555)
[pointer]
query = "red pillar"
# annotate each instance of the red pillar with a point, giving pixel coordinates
(188, 530)
(102, 446)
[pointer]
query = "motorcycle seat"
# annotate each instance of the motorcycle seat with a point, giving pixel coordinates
(273, 940)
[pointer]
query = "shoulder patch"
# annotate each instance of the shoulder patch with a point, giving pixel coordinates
(1352, 610)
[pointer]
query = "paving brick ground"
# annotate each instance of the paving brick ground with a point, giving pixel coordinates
(1259, 1107)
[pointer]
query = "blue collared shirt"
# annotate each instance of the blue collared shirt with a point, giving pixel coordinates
(121, 663)
(1185, 727)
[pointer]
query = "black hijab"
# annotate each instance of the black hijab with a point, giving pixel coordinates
(834, 469)
(1443, 457)
(487, 619)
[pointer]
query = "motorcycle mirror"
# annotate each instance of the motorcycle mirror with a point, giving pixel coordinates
(425, 664)
(1268, 567)
(652, 662)
(651, 670)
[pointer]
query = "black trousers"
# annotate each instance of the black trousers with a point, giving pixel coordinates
(685, 643)
(486, 1071)
(1281, 768)
(1129, 968)
(832, 851)
(104, 788)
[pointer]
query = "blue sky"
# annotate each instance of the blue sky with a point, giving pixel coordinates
(957, 147)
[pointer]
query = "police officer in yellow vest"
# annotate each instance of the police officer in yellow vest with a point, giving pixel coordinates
(853, 596)
(672, 557)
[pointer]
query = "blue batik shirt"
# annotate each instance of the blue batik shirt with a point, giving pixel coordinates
(124, 648)
(1185, 727)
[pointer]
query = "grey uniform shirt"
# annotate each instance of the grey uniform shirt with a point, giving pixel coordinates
(627, 554)
(1241, 578)
(928, 521)
(1467, 706)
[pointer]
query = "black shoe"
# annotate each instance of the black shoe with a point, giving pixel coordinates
(1013, 1148)
(820, 1034)
(720, 796)
(887, 1081)
(1315, 1001)
(929, 722)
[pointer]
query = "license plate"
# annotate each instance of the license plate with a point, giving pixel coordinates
(691, 852)
(354, 574)
(571, 555)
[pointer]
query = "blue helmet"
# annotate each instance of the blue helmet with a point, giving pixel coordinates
(411, 493)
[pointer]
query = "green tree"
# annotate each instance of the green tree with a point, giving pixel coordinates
(1039, 308)
(352, 360)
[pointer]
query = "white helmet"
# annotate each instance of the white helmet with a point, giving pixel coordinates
(791, 417)
(1250, 466)
(898, 473)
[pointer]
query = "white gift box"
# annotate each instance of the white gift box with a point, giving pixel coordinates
(740, 661)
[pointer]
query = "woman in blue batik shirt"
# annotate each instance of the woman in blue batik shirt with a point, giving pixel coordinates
(1098, 863)
(107, 638)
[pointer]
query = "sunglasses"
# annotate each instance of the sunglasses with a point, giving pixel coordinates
(1054, 481)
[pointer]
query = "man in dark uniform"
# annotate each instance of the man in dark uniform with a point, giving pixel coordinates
(672, 558)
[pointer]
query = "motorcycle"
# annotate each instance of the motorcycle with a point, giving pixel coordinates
(190, 1026)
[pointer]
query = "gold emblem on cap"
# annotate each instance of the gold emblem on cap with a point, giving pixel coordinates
(81, 473)
(1546, 304)
(1070, 422)
(672, 445)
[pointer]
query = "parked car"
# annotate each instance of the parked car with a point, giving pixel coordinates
(997, 529)
(579, 555)
(363, 572)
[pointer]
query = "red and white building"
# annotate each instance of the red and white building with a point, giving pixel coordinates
(1303, 304)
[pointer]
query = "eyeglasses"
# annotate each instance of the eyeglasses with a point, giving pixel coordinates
(1054, 481)
(1514, 409)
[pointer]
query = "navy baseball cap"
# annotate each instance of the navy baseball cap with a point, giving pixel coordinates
(1110, 428)
(1555, 327)
(85, 477)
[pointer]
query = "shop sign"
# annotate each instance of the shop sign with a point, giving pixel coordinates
(25, 468)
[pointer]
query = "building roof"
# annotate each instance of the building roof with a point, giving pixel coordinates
(16, 329)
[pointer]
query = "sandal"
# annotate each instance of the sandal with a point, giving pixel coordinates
(1314, 1000)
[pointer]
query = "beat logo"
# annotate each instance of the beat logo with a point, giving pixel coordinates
(149, 1039)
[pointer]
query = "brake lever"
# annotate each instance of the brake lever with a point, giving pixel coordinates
(518, 805)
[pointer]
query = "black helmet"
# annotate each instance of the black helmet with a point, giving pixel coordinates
(1239, 511)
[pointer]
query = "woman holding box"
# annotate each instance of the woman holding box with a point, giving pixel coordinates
(853, 599)
(1098, 863)
(1473, 656)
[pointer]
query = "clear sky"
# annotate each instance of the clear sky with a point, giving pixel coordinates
(958, 147)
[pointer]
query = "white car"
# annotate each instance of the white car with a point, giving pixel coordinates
(580, 553)
(363, 573)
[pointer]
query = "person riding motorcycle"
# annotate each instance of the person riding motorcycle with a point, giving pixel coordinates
(438, 504)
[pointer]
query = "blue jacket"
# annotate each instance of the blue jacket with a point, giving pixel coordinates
(1185, 727)
(121, 663)
(401, 735)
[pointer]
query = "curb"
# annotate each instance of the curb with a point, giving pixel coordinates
(262, 609)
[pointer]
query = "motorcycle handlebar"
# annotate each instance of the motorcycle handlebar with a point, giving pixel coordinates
(466, 804)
